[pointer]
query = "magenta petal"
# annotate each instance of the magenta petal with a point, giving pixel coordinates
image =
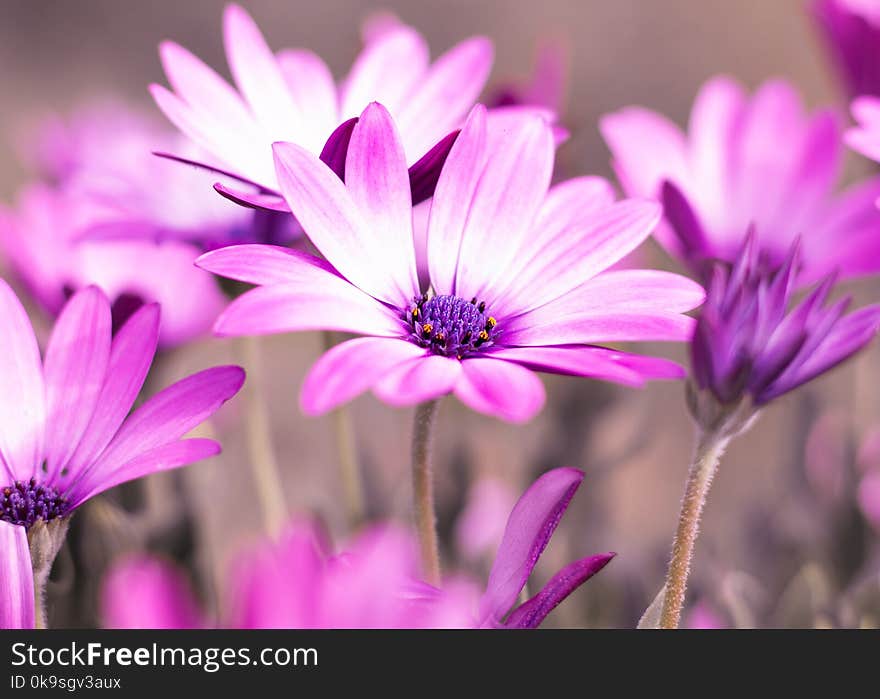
(76, 363)
(23, 404)
(262, 264)
(350, 368)
(145, 592)
(161, 458)
(253, 200)
(528, 531)
(595, 362)
(16, 579)
(418, 380)
(322, 301)
(336, 148)
(425, 173)
(503, 389)
(160, 422)
(453, 196)
(529, 615)
(131, 355)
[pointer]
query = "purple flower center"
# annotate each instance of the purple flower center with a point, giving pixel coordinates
(451, 326)
(25, 502)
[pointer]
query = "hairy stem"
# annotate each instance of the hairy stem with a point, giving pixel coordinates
(709, 449)
(423, 489)
(264, 465)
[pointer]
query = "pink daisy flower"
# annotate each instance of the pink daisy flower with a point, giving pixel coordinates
(517, 274)
(759, 161)
(292, 96)
(67, 435)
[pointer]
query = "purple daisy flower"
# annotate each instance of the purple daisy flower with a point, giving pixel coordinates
(67, 435)
(752, 340)
(851, 29)
(759, 161)
(292, 96)
(517, 274)
(375, 583)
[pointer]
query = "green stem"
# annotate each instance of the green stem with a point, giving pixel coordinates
(423, 489)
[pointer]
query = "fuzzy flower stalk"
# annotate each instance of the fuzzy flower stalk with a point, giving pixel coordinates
(68, 436)
(752, 344)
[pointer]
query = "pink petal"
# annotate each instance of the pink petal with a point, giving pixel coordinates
(263, 264)
(714, 119)
(131, 355)
(203, 90)
(420, 379)
(440, 100)
(76, 363)
(512, 186)
(627, 291)
(107, 475)
(319, 301)
(580, 252)
(22, 391)
(311, 85)
(452, 199)
(16, 579)
(596, 362)
(386, 71)
(542, 327)
(503, 389)
(528, 531)
(211, 118)
(566, 205)
(330, 218)
(147, 592)
(264, 86)
(646, 149)
(377, 178)
(350, 368)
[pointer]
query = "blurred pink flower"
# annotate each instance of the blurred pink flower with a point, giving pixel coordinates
(42, 243)
(294, 583)
(546, 85)
(516, 274)
(702, 616)
(16, 579)
(292, 96)
(865, 136)
(759, 161)
(67, 435)
(148, 592)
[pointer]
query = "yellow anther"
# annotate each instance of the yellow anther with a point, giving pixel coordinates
(427, 328)
(483, 335)
(491, 322)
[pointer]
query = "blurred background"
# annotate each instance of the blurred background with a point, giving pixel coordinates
(784, 542)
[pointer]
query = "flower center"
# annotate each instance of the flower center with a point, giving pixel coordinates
(25, 502)
(451, 326)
